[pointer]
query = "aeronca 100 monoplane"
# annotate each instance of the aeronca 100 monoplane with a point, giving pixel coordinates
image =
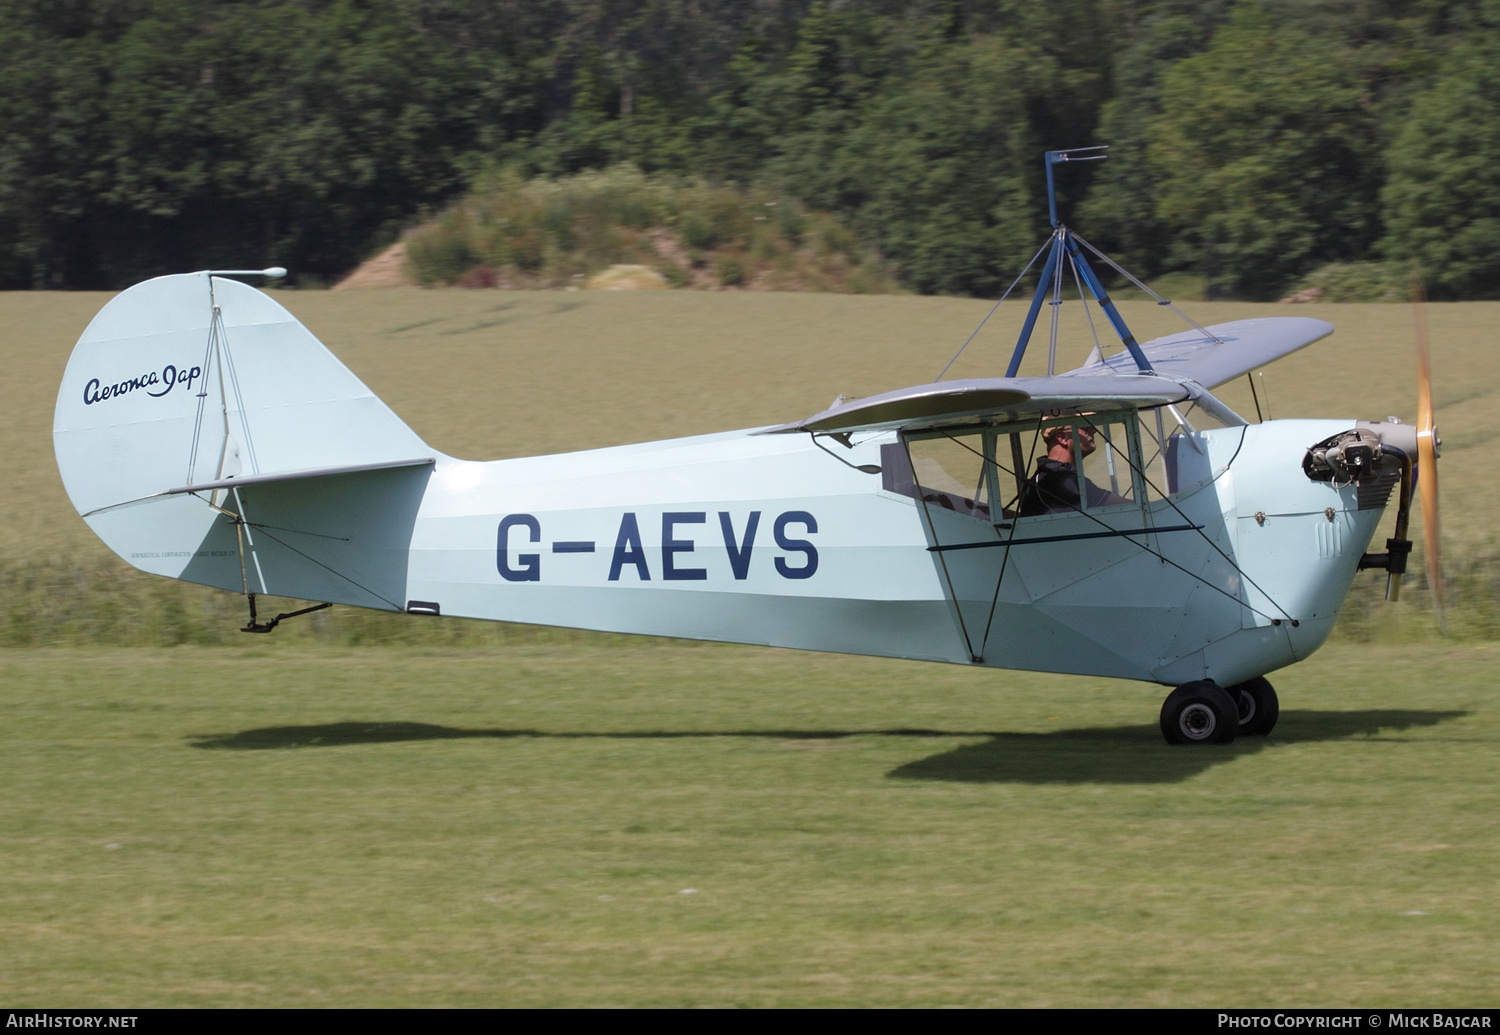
(1112, 520)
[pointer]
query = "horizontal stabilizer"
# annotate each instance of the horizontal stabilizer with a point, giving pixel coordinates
(341, 536)
(291, 476)
(267, 479)
(1226, 352)
(994, 398)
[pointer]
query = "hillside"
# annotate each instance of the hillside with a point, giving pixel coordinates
(622, 228)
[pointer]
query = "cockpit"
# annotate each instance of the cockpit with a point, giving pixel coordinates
(1102, 461)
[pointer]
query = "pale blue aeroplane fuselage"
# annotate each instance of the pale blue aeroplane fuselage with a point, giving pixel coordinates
(205, 435)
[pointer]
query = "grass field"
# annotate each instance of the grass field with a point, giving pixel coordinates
(489, 815)
(667, 824)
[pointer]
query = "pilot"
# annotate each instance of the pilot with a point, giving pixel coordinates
(1053, 487)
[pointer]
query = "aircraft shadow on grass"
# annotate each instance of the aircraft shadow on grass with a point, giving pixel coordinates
(1106, 754)
(1135, 754)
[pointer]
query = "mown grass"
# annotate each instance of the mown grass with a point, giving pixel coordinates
(671, 824)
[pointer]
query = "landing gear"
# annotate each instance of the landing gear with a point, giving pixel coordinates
(1259, 708)
(1200, 712)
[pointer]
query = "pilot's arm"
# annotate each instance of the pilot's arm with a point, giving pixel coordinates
(1101, 497)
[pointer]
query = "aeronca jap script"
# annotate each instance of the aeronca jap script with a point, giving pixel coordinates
(155, 384)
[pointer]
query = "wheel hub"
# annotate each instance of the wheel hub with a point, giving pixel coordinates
(1197, 722)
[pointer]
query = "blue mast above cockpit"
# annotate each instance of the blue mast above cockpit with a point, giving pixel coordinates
(1062, 250)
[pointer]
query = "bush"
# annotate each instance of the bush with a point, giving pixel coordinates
(548, 232)
(1358, 282)
(730, 270)
(697, 230)
(443, 253)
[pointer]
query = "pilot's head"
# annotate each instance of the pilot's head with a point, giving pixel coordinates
(1059, 439)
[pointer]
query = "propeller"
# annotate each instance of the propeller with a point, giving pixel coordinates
(1429, 447)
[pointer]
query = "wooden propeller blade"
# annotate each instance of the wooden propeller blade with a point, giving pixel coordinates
(1428, 445)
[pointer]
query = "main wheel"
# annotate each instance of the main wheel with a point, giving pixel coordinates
(1258, 706)
(1201, 712)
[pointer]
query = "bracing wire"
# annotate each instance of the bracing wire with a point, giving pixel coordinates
(330, 570)
(991, 313)
(1122, 271)
(209, 350)
(239, 399)
(1144, 546)
(1083, 301)
(1057, 282)
(989, 620)
(243, 525)
(943, 561)
(1215, 546)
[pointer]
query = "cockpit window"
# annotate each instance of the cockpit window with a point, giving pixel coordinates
(1024, 469)
(1172, 441)
(947, 470)
(1085, 464)
(1032, 468)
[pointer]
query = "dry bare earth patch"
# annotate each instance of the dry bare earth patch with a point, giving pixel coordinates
(386, 270)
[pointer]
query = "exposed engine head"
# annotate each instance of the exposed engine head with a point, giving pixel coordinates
(1347, 458)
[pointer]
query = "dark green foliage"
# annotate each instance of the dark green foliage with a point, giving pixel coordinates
(1442, 200)
(191, 134)
(936, 170)
(1252, 138)
(1268, 156)
(1120, 212)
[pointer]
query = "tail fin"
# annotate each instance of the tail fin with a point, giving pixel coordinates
(184, 388)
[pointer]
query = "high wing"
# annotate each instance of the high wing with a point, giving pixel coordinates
(994, 398)
(1223, 354)
(1184, 366)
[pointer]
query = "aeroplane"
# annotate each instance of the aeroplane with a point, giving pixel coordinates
(205, 435)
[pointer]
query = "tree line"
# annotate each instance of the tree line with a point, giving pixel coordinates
(1253, 141)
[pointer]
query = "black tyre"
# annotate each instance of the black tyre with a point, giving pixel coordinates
(1199, 713)
(1258, 706)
